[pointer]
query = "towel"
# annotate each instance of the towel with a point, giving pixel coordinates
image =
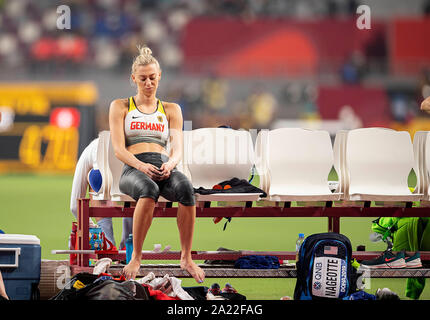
(237, 186)
(257, 262)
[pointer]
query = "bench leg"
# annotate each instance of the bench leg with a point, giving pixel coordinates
(83, 231)
(334, 224)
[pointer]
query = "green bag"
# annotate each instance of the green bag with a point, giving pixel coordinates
(385, 226)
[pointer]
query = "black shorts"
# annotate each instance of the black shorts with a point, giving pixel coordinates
(136, 184)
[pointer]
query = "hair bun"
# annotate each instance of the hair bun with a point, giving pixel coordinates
(144, 58)
(144, 51)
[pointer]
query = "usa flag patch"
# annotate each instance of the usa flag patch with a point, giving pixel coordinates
(330, 250)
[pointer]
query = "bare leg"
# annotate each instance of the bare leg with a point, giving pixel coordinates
(2, 288)
(185, 220)
(142, 219)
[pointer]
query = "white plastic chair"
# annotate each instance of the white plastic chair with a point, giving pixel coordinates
(379, 161)
(340, 165)
(425, 165)
(182, 165)
(419, 145)
(116, 166)
(299, 162)
(214, 155)
(102, 164)
(261, 144)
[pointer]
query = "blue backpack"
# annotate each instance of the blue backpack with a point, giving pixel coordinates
(324, 269)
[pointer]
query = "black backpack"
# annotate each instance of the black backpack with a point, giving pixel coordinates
(324, 269)
(99, 289)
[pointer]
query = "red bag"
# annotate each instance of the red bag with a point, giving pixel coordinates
(73, 244)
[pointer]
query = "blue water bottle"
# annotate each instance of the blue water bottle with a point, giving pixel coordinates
(299, 243)
(129, 248)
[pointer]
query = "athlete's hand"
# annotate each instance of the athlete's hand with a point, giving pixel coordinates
(166, 168)
(150, 170)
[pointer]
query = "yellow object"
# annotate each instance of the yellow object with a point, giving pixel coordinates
(77, 93)
(78, 285)
(355, 264)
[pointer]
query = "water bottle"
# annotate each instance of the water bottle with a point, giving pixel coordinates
(129, 248)
(298, 244)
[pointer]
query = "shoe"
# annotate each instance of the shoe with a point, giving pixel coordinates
(413, 261)
(228, 289)
(386, 260)
(102, 265)
(386, 294)
(92, 224)
(215, 289)
(217, 219)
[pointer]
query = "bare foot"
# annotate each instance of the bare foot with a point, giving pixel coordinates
(2, 288)
(196, 272)
(131, 269)
(3, 294)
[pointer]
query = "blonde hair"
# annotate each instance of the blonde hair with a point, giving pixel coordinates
(144, 58)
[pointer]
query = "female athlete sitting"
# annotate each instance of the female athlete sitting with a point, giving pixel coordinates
(140, 128)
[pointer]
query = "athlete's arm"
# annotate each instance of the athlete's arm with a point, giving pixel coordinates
(117, 113)
(176, 137)
(425, 105)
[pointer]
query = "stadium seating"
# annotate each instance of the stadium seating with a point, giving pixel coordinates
(103, 166)
(340, 166)
(298, 164)
(373, 164)
(182, 165)
(426, 166)
(378, 162)
(418, 145)
(214, 155)
(230, 155)
(260, 160)
(115, 166)
(422, 162)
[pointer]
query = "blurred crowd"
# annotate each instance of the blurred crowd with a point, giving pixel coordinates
(104, 35)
